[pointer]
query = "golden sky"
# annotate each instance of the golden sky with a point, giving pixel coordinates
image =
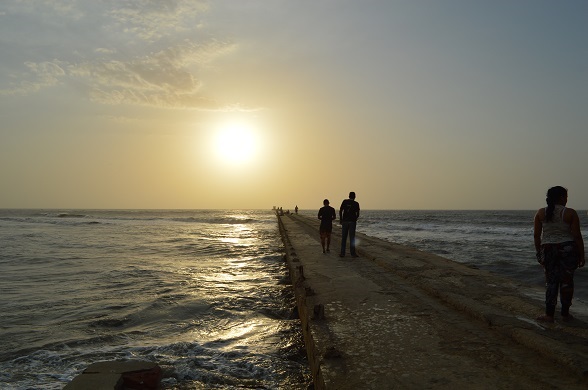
(251, 104)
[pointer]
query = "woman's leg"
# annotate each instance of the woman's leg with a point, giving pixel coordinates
(569, 263)
(552, 279)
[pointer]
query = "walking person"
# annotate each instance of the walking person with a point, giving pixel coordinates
(327, 215)
(348, 215)
(560, 250)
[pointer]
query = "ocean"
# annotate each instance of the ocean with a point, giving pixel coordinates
(204, 293)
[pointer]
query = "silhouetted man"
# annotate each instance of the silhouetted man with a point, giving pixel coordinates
(348, 215)
(327, 215)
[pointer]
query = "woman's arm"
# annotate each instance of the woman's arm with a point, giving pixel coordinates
(577, 234)
(537, 228)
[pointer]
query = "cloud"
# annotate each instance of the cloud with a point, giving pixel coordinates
(167, 52)
(39, 75)
(103, 50)
(65, 8)
(161, 79)
(151, 20)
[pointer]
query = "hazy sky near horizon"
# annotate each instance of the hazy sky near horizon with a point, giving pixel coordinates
(412, 104)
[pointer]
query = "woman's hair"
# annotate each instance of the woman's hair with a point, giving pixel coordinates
(553, 195)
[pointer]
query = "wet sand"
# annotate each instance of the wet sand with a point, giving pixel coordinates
(399, 318)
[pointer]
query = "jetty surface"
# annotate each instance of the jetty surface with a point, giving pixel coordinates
(399, 318)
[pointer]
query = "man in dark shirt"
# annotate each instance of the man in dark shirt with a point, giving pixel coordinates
(348, 215)
(327, 215)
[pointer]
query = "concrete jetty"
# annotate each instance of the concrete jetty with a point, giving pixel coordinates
(399, 318)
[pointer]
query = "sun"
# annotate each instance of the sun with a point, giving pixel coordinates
(236, 143)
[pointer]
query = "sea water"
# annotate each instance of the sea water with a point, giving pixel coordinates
(203, 293)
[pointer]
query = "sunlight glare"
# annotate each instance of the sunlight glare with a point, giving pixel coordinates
(236, 143)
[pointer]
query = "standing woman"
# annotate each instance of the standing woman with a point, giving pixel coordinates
(560, 250)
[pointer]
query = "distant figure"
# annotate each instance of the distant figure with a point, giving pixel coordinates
(348, 215)
(296, 209)
(560, 250)
(327, 215)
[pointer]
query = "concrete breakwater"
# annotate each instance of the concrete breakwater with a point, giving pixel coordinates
(399, 318)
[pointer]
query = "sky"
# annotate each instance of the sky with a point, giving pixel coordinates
(226, 104)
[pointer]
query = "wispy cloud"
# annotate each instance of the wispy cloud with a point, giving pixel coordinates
(66, 8)
(154, 19)
(39, 75)
(162, 79)
(167, 53)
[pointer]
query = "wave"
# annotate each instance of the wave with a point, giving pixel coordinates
(201, 217)
(109, 323)
(450, 231)
(69, 215)
(222, 220)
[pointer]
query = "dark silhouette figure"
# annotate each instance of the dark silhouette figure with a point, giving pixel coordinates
(560, 250)
(348, 215)
(327, 215)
